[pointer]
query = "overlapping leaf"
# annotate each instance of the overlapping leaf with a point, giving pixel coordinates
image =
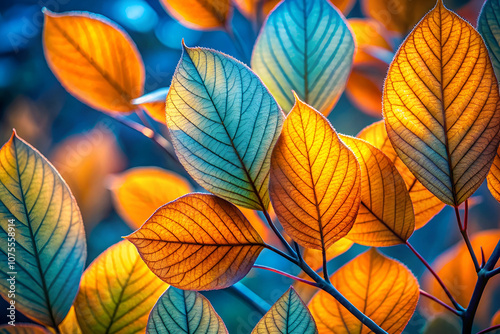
(489, 27)
(425, 204)
(315, 180)
(154, 103)
(385, 216)
(288, 315)
(70, 324)
(307, 47)
(223, 123)
(180, 311)
(314, 258)
(198, 242)
(49, 244)
(23, 329)
(250, 8)
(441, 106)
(94, 60)
(139, 192)
(382, 288)
(494, 177)
(199, 14)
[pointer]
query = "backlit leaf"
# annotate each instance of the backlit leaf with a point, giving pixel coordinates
(250, 7)
(23, 329)
(258, 223)
(488, 26)
(314, 258)
(180, 311)
(385, 216)
(380, 287)
(288, 315)
(154, 103)
(425, 204)
(315, 180)
(441, 106)
(364, 88)
(94, 59)
(223, 123)
(368, 34)
(117, 292)
(494, 177)
(198, 242)
(306, 47)
(199, 14)
(496, 319)
(50, 248)
(70, 323)
(138, 192)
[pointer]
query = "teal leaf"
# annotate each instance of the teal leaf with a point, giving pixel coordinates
(181, 311)
(223, 123)
(39, 211)
(305, 46)
(488, 26)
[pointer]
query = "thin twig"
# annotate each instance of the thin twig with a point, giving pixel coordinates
(493, 272)
(463, 231)
(250, 297)
(279, 235)
(281, 253)
(325, 265)
(489, 329)
(298, 279)
(440, 302)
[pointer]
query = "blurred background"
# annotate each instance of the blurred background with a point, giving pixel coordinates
(89, 147)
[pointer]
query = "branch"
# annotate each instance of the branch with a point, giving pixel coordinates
(463, 231)
(274, 270)
(493, 272)
(440, 302)
(280, 236)
(250, 297)
(489, 329)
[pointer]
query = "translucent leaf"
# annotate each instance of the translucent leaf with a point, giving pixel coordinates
(199, 14)
(154, 103)
(489, 28)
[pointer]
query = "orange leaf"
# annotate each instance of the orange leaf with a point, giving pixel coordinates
(496, 319)
(441, 106)
(199, 14)
(94, 59)
(259, 224)
(368, 33)
(138, 192)
(198, 242)
(154, 104)
(385, 215)
(364, 88)
(315, 180)
(425, 204)
(249, 8)
(382, 288)
(314, 258)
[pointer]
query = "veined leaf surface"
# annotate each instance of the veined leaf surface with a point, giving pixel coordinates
(23, 329)
(380, 287)
(306, 47)
(489, 27)
(139, 192)
(70, 324)
(50, 248)
(117, 292)
(198, 242)
(181, 311)
(95, 60)
(441, 106)
(199, 14)
(494, 177)
(288, 315)
(154, 103)
(315, 180)
(385, 216)
(425, 204)
(223, 123)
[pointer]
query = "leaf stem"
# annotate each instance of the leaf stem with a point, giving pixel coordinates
(281, 253)
(440, 302)
(489, 329)
(280, 236)
(274, 270)
(463, 231)
(243, 292)
(325, 266)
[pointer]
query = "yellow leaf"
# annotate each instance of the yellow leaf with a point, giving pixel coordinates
(315, 180)
(138, 192)
(199, 14)
(382, 288)
(117, 292)
(441, 106)
(385, 215)
(314, 258)
(94, 59)
(198, 242)
(70, 323)
(494, 177)
(425, 204)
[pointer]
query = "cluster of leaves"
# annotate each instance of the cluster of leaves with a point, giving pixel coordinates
(436, 145)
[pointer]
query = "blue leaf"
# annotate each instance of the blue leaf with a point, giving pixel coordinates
(488, 26)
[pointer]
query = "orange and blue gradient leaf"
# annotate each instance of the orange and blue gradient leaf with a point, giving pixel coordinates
(315, 180)
(288, 315)
(441, 106)
(382, 288)
(50, 248)
(385, 216)
(180, 311)
(20, 328)
(117, 292)
(200, 14)
(488, 26)
(306, 47)
(154, 104)
(425, 204)
(223, 123)
(198, 242)
(94, 59)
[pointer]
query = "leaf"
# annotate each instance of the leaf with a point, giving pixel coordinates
(154, 104)
(496, 319)
(258, 223)
(70, 323)
(223, 123)
(368, 33)
(288, 315)
(364, 88)
(315, 180)
(198, 242)
(200, 14)
(23, 329)
(138, 192)
(306, 47)
(441, 106)
(314, 258)
(380, 287)
(49, 243)
(425, 204)
(385, 216)
(488, 26)
(494, 177)
(117, 292)
(94, 59)
(180, 311)
(397, 15)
